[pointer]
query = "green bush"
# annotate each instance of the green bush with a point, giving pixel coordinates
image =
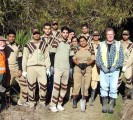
(22, 38)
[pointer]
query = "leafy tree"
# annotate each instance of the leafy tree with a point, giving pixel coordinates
(25, 14)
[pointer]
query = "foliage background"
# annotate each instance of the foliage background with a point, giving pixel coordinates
(99, 14)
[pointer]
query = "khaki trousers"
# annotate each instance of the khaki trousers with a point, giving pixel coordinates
(95, 77)
(127, 75)
(11, 74)
(60, 86)
(37, 74)
(78, 80)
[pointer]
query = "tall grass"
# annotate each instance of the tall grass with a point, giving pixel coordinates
(22, 37)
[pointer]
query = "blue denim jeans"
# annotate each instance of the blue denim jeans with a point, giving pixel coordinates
(108, 84)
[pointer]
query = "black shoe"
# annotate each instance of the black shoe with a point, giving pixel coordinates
(74, 102)
(104, 103)
(111, 105)
(92, 97)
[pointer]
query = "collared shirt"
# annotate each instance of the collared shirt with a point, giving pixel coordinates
(110, 56)
(49, 40)
(83, 56)
(128, 51)
(13, 53)
(35, 54)
(87, 36)
(56, 33)
(95, 46)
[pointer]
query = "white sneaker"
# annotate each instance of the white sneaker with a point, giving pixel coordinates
(25, 104)
(19, 102)
(22, 103)
(53, 109)
(60, 108)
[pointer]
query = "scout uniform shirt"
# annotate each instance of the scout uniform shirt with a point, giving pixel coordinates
(56, 33)
(95, 69)
(87, 36)
(13, 53)
(35, 55)
(95, 46)
(49, 40)
(86, 55)
(62, 50)
(127, 49)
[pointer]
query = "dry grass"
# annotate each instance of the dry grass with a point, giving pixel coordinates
(23, 113)
(128, 110)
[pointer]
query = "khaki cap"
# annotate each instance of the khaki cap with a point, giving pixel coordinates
(125, 32)
(96, 33)
(2, 38)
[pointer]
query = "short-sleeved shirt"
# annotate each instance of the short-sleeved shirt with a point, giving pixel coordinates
(83, 56)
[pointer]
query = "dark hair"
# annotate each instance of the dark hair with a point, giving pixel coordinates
(71, 30)
(109, 29)
(64, 28)
(46, 24)
(85, 25)
(11, 32)
(82, 37)
(74, 37)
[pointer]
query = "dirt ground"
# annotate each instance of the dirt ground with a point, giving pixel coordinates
(23, 113)
(128, 110)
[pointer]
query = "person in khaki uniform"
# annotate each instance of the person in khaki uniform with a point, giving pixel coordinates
(95, 69)
(49, 36)
(61, 70)
(14, 68)
(85, 32)
(55, 30)
(36, 64)
(127, 71)
(83, 60)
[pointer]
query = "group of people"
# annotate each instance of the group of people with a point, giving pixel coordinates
(59, 58)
